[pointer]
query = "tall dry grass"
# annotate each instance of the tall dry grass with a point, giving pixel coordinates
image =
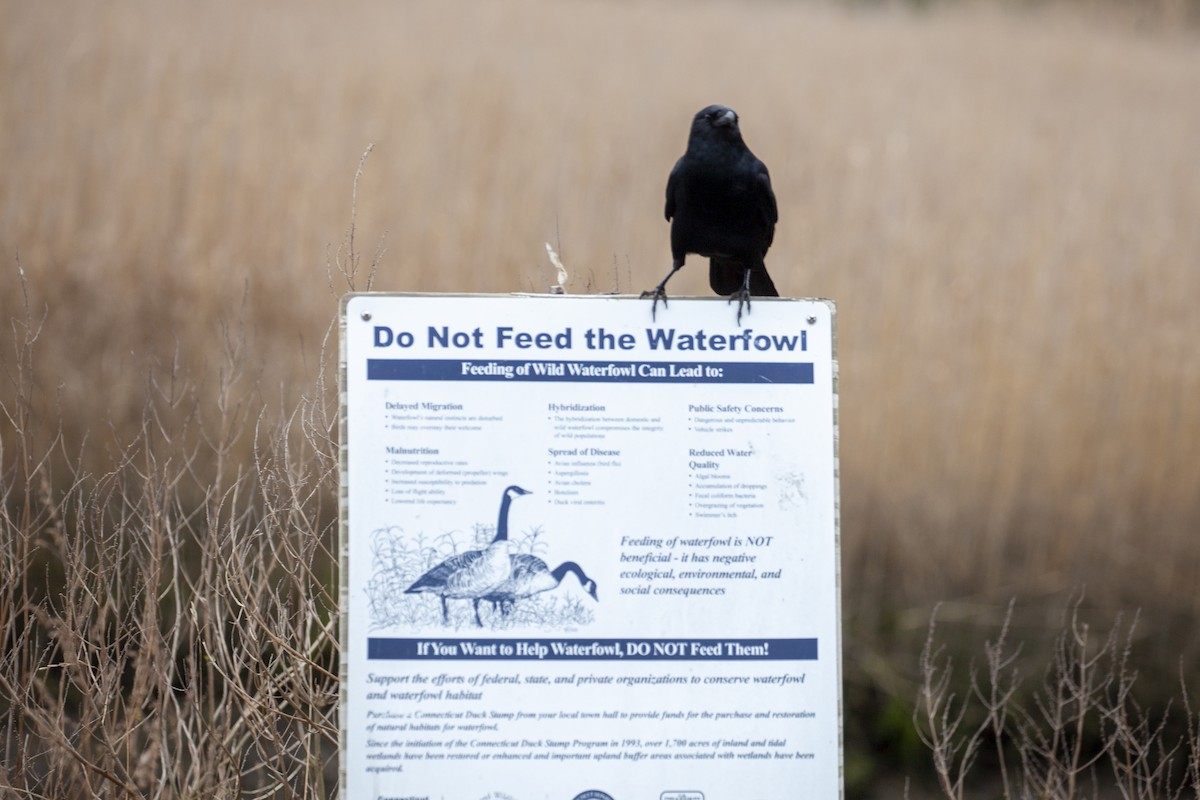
(1002, 202)
(168, 625)
(1080, 733)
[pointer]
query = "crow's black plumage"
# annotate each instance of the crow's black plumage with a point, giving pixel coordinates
(720, 206)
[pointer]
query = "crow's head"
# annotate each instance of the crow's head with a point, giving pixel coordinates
(716, 122)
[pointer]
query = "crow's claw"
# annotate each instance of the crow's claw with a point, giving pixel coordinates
(743, 297)
(658, 293)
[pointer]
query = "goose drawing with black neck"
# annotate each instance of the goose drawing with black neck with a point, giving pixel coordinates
(530, 575)
(471, 575)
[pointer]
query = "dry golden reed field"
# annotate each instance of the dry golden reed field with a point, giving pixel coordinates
(1003, 202)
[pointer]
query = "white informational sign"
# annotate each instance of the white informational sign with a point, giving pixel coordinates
(588, 554)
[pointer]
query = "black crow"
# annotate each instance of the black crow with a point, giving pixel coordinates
(720, 205)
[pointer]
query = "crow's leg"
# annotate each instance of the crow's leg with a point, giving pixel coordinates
(660, 292)
(478, 621)
(742, 296)
(445, 611)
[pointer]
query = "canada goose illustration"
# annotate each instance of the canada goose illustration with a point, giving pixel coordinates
(474, 573)
(530, 576)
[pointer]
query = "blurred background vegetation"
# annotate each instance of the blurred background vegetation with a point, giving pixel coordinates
(1002, 197)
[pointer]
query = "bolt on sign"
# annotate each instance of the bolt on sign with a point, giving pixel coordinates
(587, 553)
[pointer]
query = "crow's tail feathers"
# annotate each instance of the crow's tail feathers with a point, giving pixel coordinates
(761, 284)
(726, 277)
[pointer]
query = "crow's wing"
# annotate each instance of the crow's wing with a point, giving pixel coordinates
(672, 182)
(765, 198)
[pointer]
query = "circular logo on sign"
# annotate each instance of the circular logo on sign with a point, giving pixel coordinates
(594, 794)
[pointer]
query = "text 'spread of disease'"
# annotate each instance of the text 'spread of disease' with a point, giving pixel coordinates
(587, 553)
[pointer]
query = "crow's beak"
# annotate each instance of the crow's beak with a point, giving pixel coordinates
(728, 117)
